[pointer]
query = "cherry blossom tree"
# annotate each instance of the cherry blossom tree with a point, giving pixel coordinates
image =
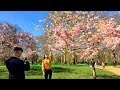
(85, 33)
(61, 23)
(110, 31)
(11, 36)
(68, 30)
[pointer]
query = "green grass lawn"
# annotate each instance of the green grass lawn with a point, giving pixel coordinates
(63, 72)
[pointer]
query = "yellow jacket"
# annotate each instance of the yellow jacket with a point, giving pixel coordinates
(46, 64)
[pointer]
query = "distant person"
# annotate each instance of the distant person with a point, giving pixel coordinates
(96, 63)
(114, 62)
(46, 67)
(87, 63)
(32, 62)
(103, 64)
(16, 66)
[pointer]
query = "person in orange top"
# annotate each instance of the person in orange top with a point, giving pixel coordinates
(46, 67)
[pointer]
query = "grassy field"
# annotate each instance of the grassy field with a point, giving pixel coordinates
(63, 72)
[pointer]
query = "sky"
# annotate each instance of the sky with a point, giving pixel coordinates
(24, 19)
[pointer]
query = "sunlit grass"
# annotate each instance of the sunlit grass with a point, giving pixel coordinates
(63, 72)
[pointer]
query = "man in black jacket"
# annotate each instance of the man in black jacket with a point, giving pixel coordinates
(15, 66)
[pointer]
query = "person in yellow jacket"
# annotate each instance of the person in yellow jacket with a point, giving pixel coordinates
(46, 67)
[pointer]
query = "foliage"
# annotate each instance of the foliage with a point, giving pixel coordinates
(83, 33)
(12, 36)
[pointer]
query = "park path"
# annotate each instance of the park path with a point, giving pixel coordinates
(113, 69)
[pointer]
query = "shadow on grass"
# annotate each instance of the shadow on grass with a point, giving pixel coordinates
(60, 69)
(3, 70)
(54, 69)
(3, 74)
(108, 77)
(34, 70)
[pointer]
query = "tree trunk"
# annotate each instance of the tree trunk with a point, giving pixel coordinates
(114, 56)
(74, 58)
(94, 73)
(61, 58)
(51, 55)
(64, 56)
(94, 70)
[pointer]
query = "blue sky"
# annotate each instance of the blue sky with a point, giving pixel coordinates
(24, 19)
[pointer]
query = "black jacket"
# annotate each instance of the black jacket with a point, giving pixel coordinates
(16, 68)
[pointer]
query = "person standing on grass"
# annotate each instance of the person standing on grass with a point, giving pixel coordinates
(16, 66)
(103, 64)
(46, 67)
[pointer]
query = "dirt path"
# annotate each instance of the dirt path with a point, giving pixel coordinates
(111, 69)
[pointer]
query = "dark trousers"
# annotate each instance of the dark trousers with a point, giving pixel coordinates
(48, 73)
